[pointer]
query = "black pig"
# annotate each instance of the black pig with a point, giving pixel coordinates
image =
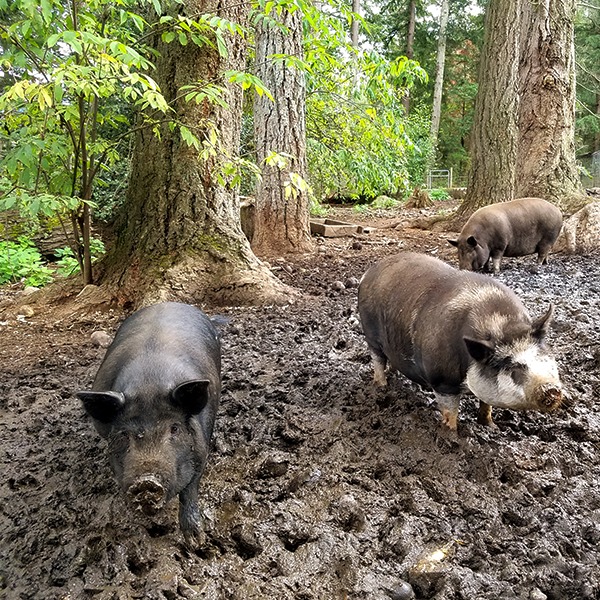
(155, 398)
(445, 328)
(516, 228)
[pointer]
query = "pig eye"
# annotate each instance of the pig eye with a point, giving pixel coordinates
(120, 441)
(175, 429)
(518, 374)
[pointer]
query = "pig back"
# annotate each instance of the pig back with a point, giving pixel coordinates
(517, 227)
(416, 311)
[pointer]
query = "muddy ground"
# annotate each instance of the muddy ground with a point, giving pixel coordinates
(318, 486)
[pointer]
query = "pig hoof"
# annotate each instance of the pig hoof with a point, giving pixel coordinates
(192, 526)
(484, 417)
(450, 420)
(194, 539)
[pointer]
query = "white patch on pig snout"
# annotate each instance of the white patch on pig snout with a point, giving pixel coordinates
(502, 391)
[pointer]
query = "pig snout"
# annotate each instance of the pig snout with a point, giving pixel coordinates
(147, 494)
(549, 397)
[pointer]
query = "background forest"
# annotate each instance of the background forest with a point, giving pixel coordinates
(387, 93)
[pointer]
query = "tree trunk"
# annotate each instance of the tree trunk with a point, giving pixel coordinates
(436, 111)
(179, 236)
(355, 23)
(546, 165)
(597, 136)
(410, 44)
(491, 176)
(282, 209)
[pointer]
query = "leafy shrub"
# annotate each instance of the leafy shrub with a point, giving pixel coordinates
(380, 203)
(361, 209)
(22, 261)
(317, 209)
(439, 194)
(384, 202)
(67, 263)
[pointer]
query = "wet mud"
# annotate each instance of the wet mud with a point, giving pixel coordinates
(318, 485)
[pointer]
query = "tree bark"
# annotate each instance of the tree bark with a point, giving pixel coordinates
(179, 235)
(491, 176)
(546, 165)
(436, 111)
(410, 44)
(282, 217)
(597, 136)
(355, 23)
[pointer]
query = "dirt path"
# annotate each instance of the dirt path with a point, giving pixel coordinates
(318, 486)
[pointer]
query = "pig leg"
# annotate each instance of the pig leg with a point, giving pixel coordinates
(485, 415)
(448, 405)
(379, 364)
(543, 252)
(496, 264)
(189, 513)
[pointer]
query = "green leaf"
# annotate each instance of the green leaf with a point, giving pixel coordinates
(51, 41)
(221, 46)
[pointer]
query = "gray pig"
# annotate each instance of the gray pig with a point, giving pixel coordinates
(155, 398)
(444, 328)
(515, 228)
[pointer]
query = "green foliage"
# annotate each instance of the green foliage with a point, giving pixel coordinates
(317, 209)
(587, 40)
(382, 202)
(62, 132)
(361, 209)
(389, 26)
(357, 140)
(419, 159)
(438, 194)
(21, 261)
(67, 264)
(77, 77)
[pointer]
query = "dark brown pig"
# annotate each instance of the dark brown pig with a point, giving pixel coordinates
(448, 329)
(516, 228)
(155, 398)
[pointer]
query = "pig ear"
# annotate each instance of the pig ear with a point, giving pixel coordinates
(479, 350)
(539, 328)
(471, 241)
(191, 396)
(453, 242)
(102, 406)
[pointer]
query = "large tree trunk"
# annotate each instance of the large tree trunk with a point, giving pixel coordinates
(282, 210)
(436, 111)
(179, 236)
(597, 136)
(491, 176)
(546, 165)
(410, 44)
(355, 24)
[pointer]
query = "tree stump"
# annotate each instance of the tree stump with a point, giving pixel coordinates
(419, 199)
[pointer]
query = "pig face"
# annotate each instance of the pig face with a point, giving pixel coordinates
(472, 256)
(152, 445)
(517, 374)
